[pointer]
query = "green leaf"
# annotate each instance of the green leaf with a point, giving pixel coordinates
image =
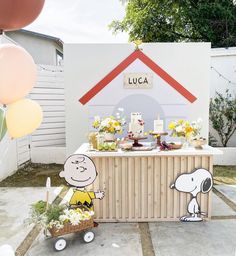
(223, 115)
(3, 126)
(173, 21)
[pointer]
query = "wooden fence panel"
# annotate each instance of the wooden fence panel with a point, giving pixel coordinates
(138, 188)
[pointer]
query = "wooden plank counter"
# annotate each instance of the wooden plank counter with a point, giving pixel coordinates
(137, 184)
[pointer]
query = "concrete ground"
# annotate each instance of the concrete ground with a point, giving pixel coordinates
(212, 238)
(229, 191)
(111, 239)
(220, 208)
(14, 210)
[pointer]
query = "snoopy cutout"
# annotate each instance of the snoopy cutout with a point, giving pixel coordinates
(80, 172)
(198, 181)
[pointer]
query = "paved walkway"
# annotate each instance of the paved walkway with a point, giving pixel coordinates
(112, 239)
(229, 191)
(220, 209)
(212, 238)
(14, 209)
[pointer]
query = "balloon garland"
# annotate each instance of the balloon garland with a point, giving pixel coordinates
(19, 116)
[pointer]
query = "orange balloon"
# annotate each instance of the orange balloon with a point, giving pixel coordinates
(23, 117)
(16, 14)
(17, 73)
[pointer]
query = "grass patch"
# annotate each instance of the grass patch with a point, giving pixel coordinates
(225, 174)
(34, 175)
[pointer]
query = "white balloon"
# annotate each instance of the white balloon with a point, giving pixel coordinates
(6, 250)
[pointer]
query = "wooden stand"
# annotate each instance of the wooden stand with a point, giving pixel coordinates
(136, 141)
(158, 134)
(137, 183)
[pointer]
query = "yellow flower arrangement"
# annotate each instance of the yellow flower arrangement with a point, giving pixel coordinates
(183, 128)
(109, 124)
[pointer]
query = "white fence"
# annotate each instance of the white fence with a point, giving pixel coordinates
(23, 150)
(47, 143)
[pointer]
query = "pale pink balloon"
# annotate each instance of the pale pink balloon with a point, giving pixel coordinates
(17, 73)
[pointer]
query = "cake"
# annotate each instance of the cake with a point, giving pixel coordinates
(136, 125)
(158, 125)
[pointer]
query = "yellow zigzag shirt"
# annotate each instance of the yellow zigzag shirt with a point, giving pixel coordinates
(82, 198)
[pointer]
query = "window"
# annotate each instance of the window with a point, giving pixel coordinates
(59, 57)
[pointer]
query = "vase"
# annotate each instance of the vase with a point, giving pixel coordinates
(184, 142)
(92, 137)
(109, 136)
(100, 139)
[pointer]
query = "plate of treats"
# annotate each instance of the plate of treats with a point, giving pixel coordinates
(169, 146)
(143, 148)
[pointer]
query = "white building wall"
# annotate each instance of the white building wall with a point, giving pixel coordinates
(42, 50)
(87, 64)
(224, 61)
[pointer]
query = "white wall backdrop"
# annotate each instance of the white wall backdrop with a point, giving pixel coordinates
(224, 61)
(87, 64)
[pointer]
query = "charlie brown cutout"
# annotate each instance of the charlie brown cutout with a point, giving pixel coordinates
(80, 172)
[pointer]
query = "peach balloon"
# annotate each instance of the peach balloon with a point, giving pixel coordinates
(23, 117)
(17, 73)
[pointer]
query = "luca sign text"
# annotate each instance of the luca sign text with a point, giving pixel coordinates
(138, 80)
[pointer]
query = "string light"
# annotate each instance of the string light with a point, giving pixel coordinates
(222, 76)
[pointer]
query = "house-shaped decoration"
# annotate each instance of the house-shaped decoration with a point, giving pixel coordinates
(138, 54)
(167, 96)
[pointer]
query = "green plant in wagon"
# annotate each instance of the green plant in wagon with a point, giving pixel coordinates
(57, 215)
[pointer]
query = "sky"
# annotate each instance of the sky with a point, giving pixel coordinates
(80, 21)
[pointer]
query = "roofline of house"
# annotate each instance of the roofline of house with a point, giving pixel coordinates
(55, 39)
(137, 54)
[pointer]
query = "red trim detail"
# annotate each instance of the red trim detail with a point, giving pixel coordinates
(108, 78)
(124, 64)
(166, 77)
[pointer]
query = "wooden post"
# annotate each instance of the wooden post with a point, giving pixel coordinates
(48, 186)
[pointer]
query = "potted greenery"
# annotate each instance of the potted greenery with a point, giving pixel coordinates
(222, 117)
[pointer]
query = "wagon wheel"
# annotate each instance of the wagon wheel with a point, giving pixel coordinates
(60, 244)
(88, 236)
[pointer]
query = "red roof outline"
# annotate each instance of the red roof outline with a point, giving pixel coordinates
(138, 54)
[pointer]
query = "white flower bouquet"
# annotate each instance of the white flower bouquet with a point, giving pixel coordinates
(57, 216)
(110, 124)
(185, 129)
